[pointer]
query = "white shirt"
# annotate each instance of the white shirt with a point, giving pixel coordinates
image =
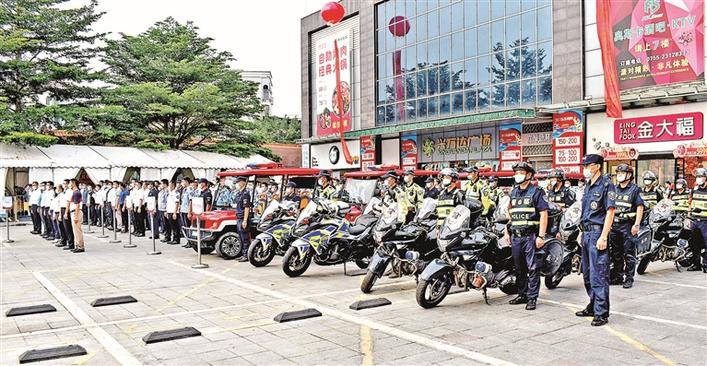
(47, 198)
(34, 197)
(67, 197)
(137, 195)
(111, 197)
(56, 204)
(172, 201)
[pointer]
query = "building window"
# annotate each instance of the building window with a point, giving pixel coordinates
(489, 54)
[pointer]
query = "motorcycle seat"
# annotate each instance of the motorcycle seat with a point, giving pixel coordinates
(357, 229)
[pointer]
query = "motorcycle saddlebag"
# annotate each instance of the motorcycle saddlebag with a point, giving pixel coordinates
(643, 241)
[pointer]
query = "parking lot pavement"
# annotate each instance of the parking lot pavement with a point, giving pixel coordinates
(662, 320)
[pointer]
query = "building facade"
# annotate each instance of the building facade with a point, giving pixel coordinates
(265, 92)
(455, 83)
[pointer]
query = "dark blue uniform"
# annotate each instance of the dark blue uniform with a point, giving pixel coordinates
(698, 243)
(597, 199)
(432, 193)
(243, 201)
(622, 243)
(526, 205)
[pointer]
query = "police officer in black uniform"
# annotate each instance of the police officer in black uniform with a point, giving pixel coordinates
(559, 194)
(698, 214)
(450, 197)
(680, 195)
(650, 194)
(528, 226)
(627, 221)
(244, 205)
(324, 189)
(596, 221)
(431, 190)
(291, 193)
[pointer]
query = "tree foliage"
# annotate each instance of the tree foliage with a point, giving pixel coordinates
(281, 130)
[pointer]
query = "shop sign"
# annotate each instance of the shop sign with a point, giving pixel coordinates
(408, 150)
(509, 149)
(695, 149)
(305, 155)
(368, 151)
(670, 127)
(567, 141)
(611, 154)
(657, 42)
(330, 156)
(536, 138)
(473, 144)
(328, 114)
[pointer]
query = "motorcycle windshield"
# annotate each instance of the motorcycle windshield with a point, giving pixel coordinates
(389, 217)
(429, 206)
(307, 212)
(375, 201)
(270, 210)
(457, 220)
(571, 216)
(502, 208)
(661, 211)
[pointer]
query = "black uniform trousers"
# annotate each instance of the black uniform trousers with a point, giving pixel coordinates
(622, 251)
(36, 221)
(68, 228)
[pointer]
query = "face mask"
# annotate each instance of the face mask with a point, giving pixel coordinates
(273, 189)
(321, 182)
(519, 178)
(428, 185)
(408, 179)
(700, 181)
(492, 184)
(678, 186)
(647, 182)
(620, 178)
(553, 182)
(447, 182)
(386, 184)
(587, 173)
(567, 184)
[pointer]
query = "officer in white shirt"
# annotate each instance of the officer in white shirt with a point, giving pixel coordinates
(110, 205)
(47, 196)
(173, 234)
(65, 215)
(137, 195)
(34, 198)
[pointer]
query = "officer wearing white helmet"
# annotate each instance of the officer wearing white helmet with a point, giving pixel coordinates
(450, 197)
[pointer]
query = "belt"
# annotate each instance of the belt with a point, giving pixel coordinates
(523, 232)
(591, 227)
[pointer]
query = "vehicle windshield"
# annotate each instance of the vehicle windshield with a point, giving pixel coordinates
(224, 194)
(272, 207)
(572, 215)
(429, 205)
(458, 219)
(662, 211)
(375, 201)
(389, 217)
(360, 190)
(307, 212)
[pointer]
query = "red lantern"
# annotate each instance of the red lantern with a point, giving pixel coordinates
(332, 13)
(399, 26)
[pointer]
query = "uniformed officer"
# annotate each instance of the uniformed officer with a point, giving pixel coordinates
(650, 193)
(528, 226)
(559, 194)
(681, 195)
(490, 195)
(291, 194)
(413, 192)
(243, 207)
(627, 221)
(324, 190)
(698, 214)
(474, 186)
(431, 190)
(596, 221)
(450, 196)
(393, 192)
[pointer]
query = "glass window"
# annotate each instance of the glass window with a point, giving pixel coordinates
(445, 49)
(497, 9)
(410, 9)
(432, 105)
(457, 46)
(410, 36)
(483, 39)
(444, 78)
(512, 7)
(545, 90)
(422, 108)
(444, 105)
(513, 64)
(470, 42)
(380, 38)
(400, 112)
(389, 11)
(483, 11)
(410, 87)
(545, 24)
(381, 92)
(497, 35)
(422, 83)
(457, 16)
(483, 70)
(421, 27)
(544, 58)
(458, 76)
(433, 52)
(498, 68)
(390, 90)
(433, 24)
(513, 31)
(542, 3)
(410, 58)
(470, 79)
(380, 15)
(445, 20)
(499, 96)
(529, 59)
(380, 116)
(389, 114)
(527, 4)
(470, 13)
(410, 110)
(400, 7)
(513, 94)
(432, 81)
(528, 23)
(470, 100)
(421, 7)
(529, 93)
(421, 55)
(483, 99)
(399, 41)
(457, 103)
(389, 40)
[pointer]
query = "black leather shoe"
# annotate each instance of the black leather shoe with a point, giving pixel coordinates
(60, 245)
(588, 311)
(616, 282)
(519, 300)
(242, 259)
(628, 283)
(186, 246)
(694, 268)
(69, 248)
(78, 250)
(164, 240)
(531, 304)
(599, 321)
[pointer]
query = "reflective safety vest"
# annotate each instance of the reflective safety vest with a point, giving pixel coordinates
(324, 193)
(699, 200)
(650, 198)
(524, 215)
(446, 202)
(625, 204)
(558, 198)
(473, 190)
(681, 200)
(414, 194)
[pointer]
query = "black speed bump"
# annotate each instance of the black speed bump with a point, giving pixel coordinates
(34, 309)
(170, 335)
(106, 301)
(52, 353)
(367, 304)
(289, 316)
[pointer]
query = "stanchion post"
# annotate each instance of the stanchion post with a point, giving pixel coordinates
(89, 208)
(103, 223)
(7, 206)
(129, 206)
(151, 204)
(197, 205)
(115, 229)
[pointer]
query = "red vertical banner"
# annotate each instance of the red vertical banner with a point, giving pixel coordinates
(399, 85)
(567, 141)
(510, 150)
(612, 95)
(368, 151)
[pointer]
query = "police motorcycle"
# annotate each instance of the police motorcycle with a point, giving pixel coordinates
(571, 258)
(473, 256)
(671, 235)
(407, 248)
(324, 235)
(275, 236)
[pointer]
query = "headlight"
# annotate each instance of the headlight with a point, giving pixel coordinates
(442, 244)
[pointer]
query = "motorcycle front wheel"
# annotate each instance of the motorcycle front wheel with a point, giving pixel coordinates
(258, 256)
(432, 291)
(553, 281)
(293, 265)
(368, 281)
(643, 264)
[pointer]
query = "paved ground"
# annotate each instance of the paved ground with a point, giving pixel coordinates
(662, 320)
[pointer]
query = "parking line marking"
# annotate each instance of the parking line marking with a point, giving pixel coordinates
(106, 340)
(640, 346)
(434, 344)
(366, 346)
(635, 316)
(670, 283)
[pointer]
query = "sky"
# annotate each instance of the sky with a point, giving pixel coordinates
(261, 34)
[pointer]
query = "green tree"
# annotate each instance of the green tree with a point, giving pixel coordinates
(44, 74)
(173, 90)
(281, 130)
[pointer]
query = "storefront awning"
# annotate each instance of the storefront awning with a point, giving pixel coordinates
(445, 122)
(15, 156)
(127, 157)
(75, 156)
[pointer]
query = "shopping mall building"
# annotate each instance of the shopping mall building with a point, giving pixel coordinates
(432, 84)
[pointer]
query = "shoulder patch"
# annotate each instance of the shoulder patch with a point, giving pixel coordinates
(612, 195)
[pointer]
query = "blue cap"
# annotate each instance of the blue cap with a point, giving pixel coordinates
(390, 174)
(241, 179)
(429, 180)
(592, 159)
(292, 184)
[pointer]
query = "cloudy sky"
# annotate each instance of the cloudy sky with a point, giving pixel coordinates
(262, 34)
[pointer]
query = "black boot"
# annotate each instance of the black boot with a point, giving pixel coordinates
(520, 299)
(532, 304)
(599, 321)
(588, 311)
(694, 268)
